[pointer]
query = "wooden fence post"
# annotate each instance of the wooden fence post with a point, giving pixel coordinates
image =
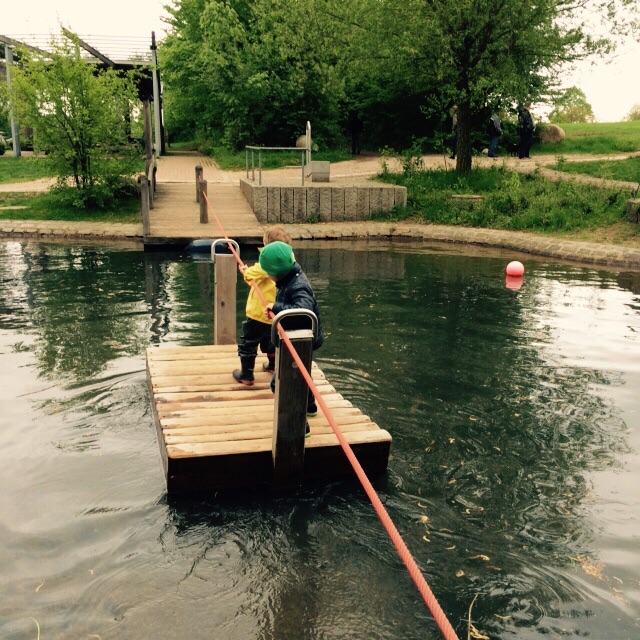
(224, 290)
(199, 176)
(204, 213)
(143, 183)
(290, 410)
(224, 318)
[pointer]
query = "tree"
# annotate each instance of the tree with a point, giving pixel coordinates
(496, 52)
(634, 113)
(257, 69)
(80, 114)
(572, 106)
(252, 71)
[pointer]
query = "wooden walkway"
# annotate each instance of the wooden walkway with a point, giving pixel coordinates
(214, 432)
(175, 218)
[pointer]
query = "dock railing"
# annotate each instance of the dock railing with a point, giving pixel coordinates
(303, 151)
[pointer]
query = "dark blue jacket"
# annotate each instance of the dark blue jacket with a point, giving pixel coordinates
(293, 291)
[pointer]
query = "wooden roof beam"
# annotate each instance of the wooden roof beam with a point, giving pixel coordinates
(88, 47)
(17, 43)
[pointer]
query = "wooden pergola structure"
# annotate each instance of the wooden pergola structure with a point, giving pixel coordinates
(148, 83)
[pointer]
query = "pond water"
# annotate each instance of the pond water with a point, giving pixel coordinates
(514, 472)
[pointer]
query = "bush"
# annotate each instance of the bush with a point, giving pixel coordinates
(3, 148)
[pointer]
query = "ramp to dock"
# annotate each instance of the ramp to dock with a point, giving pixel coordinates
(175, 218)
(214, 432)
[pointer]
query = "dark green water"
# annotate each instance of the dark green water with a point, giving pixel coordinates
(514, 474)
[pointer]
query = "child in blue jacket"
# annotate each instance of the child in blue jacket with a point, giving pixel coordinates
(293, 291)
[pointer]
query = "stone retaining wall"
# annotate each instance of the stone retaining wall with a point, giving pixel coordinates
(273, 205)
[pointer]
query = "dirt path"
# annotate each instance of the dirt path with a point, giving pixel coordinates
(180, 168)
(365, 166)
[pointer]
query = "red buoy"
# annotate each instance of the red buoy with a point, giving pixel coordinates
(515, 269)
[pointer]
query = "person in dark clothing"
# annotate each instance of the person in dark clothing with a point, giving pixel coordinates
(355, 129)
(526, 127)
(454, 129)
(293, 291)
(494, 131)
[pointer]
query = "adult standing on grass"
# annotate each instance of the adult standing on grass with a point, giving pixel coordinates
(494, 131)
(526, 128)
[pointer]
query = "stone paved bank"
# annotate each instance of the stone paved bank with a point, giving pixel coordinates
(585, 252)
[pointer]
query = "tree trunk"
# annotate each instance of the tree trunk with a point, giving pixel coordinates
(463, 155)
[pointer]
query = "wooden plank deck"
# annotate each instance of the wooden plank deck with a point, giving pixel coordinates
(214, 432)
(175, 218)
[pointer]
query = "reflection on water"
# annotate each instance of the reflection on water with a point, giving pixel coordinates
(515, 423)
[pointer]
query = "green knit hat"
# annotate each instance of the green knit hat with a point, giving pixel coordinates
(276, 258)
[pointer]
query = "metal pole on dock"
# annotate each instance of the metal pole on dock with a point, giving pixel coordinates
(290, 409)
(224, 291)
(204, 213)
(157, 99)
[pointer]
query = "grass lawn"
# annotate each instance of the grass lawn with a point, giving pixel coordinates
(596, 137)
(46, 206)
(628, 170)
(24, 169)
(522, 202)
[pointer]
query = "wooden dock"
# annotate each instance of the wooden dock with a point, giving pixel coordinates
(175, 218)
(214, 432)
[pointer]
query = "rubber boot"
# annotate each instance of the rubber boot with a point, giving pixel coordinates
(245, 374)
(270, 364)
(312, 407)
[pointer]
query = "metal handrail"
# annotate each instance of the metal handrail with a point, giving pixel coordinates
(299, 313)
(302, 150)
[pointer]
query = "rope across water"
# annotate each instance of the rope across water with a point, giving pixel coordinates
(414, 571)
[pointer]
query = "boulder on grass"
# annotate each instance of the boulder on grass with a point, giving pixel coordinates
(551, 134)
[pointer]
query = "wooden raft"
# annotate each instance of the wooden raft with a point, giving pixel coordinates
(214, 432)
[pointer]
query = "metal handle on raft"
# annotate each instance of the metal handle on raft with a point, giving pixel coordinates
(225, 241)
(275, 337)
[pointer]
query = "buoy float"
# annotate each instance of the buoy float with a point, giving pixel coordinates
(515, 269)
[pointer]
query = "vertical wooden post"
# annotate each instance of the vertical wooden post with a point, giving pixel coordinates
(204, 214)
(290, 412)
(199, 176)
(224, 318)
(15, 129)
(143, 182)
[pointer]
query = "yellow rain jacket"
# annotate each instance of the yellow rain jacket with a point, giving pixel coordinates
(255, 306)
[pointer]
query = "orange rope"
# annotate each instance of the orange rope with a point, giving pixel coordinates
(414, 571)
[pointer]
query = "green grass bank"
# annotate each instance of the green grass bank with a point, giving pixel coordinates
(24, 169)
(49, 206)
(595, 138)
(627, 170)
(510, 200)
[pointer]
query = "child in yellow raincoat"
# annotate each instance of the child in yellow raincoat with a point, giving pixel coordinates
(256, 329)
